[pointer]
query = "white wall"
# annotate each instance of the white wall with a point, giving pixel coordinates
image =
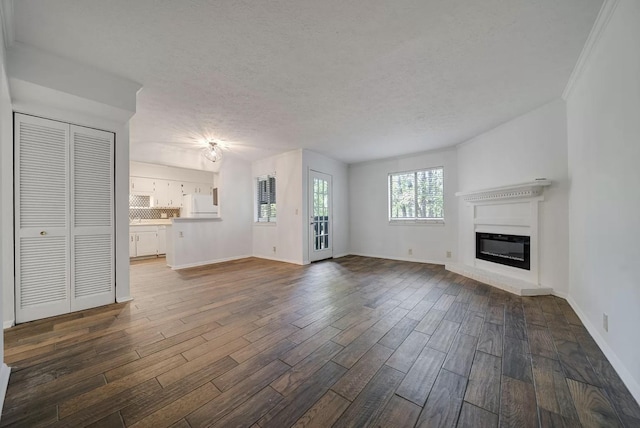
(371, 234)
(211, 241)
(531, 146)
(286, 234)
(603, 111)
(143, 169)
(339, 173)
(166, 154)
(6, 209)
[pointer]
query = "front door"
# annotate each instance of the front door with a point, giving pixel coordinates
(320, 224)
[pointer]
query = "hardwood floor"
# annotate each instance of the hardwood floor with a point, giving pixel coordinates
(349, 342)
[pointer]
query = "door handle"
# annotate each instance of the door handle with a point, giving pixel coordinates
(43, 233)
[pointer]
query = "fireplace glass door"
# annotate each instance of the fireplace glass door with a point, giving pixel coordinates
(509, 250)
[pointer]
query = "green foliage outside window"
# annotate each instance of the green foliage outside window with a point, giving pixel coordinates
(417, 195)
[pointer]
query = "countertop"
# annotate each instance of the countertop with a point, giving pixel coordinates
(153, 222)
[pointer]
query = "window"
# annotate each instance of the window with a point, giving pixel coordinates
(417, 195)
(266, 199)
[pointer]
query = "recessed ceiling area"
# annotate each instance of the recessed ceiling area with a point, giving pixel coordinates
(355, 80)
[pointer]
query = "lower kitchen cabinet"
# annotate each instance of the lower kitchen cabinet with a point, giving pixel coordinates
(143, 241)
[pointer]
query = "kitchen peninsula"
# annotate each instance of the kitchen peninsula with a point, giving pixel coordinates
(193, 242)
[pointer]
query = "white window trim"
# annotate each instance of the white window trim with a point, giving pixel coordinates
(415, 221)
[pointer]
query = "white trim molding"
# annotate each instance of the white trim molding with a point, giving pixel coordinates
(627, 378)
(207, 262)
(530, 189)
(401, 259)
(606, 11)
(8, 324)
(5, 372)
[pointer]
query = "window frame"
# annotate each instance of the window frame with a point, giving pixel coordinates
(258, 204)
(414, 220)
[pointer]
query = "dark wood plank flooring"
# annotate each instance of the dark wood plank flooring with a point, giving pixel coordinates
(349, 342)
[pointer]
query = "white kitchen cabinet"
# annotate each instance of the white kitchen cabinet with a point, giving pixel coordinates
(168, 194)
(145, 241)
(141, 186)
(162, 240)
(146, 244)
(64, 228)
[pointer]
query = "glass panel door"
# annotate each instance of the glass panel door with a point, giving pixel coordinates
(320, 239)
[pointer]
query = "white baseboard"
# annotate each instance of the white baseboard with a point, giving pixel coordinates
(627, 378)
(5, 372)
(124, 299)
(562, 294)
(276, 259)
(337, 256)
(208, 262)
(402, 259)
(8, 324)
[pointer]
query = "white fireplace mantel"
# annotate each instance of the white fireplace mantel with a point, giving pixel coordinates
(510, 209)
(530, 189)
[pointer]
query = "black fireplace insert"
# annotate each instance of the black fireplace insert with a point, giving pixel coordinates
(510, 250)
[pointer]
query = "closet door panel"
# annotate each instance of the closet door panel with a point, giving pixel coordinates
(92, 231)
(42, 217)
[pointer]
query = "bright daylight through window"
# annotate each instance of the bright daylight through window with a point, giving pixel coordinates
(417, 195)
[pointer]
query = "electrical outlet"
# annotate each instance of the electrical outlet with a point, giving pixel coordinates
(448, 254)
(410, 251)
(605, 322)
(274, 248)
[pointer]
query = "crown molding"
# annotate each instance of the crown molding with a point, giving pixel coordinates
(6, 16)
(604, 16)
(532, 189)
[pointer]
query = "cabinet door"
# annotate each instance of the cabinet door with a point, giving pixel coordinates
(204, 188)
(175, 194)
(41, 218)
(162, 240)
(146, 243)
(92, 225)
(132, 244)
(189, 188)
(141, 186)
(161, 194)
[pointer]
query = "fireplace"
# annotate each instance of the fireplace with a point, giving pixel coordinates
(510, 250)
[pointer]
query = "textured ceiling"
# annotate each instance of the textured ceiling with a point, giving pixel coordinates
(355, 80)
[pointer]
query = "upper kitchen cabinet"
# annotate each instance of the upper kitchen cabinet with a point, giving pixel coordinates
(168, 194)
(141, 186)
(168, 184)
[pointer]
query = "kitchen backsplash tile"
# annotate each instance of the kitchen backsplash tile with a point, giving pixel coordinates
(152, 213)
(139, 201)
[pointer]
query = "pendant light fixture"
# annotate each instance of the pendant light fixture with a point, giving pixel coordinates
(212, 152)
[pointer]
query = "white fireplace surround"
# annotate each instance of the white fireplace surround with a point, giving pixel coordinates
(513, 210)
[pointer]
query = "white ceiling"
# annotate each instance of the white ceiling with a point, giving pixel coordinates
(356, 80)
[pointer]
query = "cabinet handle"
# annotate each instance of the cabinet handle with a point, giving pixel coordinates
(133, 185)
(132, 239)
(138, 238)
(43, 233)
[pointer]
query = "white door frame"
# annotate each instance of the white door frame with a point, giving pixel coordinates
(327, 251)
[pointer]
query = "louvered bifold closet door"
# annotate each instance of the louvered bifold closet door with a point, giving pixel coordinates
(92, 230)
(41, 218)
